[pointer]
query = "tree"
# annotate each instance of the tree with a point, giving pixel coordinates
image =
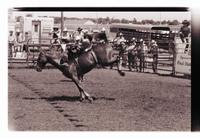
(18, 18)
(107, 20)
(115, 20)
(57, 20)
(125, 21)
(143, 21)
(100, 20)
(174, 22)
(134, 21)
(164, 22)
(29, 15)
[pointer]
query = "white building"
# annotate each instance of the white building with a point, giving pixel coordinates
(38, 28)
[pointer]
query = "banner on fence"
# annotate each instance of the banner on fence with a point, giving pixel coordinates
(183, 63)
(20, 55)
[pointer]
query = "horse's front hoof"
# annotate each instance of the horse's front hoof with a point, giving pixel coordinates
(122, 73)
(81, 99)
(90, 99)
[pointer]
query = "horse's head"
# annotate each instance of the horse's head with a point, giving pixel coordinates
(41, 61)
(64, 58)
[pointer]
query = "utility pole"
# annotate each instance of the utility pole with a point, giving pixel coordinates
(160, 17)
(97, 19)
(62, 23)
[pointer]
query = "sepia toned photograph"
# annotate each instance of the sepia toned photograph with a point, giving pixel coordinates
(99, 69)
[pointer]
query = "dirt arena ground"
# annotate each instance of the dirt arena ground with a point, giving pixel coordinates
(47, 101)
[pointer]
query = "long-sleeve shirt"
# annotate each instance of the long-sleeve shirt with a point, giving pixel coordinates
(80, 35)
(66, 36)
(119, 40)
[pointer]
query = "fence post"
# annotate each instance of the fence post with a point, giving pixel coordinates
(174, 61)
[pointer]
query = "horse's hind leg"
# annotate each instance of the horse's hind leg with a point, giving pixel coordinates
(80, 77)
(83, 94)
(113, 60)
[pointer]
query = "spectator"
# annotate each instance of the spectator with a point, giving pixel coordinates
(79, 34)
(185, 31)
(119, 41)
(154, 52)
(132, 54)
(26, 41)
(65, 36)
(11, 42)
(19, 41)
(141, 54)
(55, 35)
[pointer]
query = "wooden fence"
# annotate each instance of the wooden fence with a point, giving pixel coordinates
(166, 60)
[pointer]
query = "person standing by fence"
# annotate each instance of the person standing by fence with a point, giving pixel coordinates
(19, 41)
(154, 52)
(141, 54)
(132, 54)
(65, 38)
(11, 42)
(120, 42)
(185, 33)
(27, 38)
(55, 35)
(55, 41)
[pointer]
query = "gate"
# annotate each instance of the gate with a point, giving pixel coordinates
(28, 57)
(175, 61)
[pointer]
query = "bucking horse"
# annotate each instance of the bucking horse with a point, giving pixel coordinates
(99, 54)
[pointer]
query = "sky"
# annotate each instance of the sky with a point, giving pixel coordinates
(157, 16)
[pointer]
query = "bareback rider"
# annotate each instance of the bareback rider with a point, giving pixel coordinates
(102, 36)
(77, 37)
(88, 35)
(86, 42)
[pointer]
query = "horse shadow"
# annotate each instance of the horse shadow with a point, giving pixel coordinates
(65, 80)
(53, 99)
(56, 98)
(175, 76)
(62, 98)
